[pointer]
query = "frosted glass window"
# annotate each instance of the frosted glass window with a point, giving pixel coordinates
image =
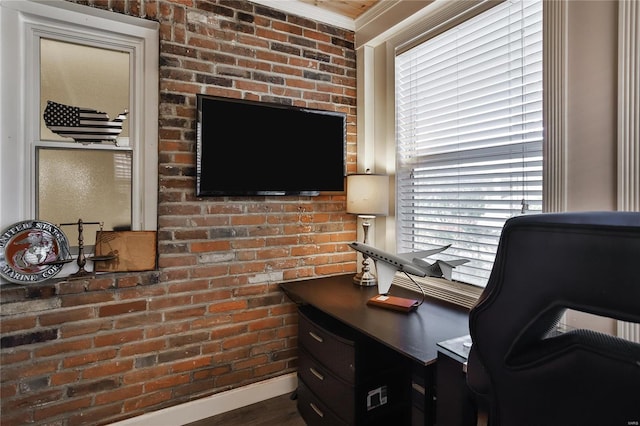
(83, 76)
(88, 181)
(92, 185)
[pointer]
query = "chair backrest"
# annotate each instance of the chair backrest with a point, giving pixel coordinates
(528, 373)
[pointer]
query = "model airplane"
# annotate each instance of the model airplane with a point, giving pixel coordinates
(388, 264)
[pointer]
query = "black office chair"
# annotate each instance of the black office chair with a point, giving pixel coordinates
(519, 366)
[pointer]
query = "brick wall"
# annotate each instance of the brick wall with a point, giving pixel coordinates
(212, 318)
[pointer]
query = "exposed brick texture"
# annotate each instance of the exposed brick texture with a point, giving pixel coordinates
(212, 317)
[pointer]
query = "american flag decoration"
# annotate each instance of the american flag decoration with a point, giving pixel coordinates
(83, 125)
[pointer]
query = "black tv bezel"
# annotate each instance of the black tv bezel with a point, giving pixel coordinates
(200, 192)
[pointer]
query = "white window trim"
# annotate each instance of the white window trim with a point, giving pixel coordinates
(376, 111)
(555, 39)
(628, 125)
(22, 22)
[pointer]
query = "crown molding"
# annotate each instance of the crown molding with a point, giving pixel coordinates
(379, 9)
(309, 11)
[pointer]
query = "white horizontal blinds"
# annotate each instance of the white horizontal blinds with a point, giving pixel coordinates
(469, 134)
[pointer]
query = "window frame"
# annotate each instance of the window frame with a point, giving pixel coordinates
(376, 109)
(23, 23)
(423, 227)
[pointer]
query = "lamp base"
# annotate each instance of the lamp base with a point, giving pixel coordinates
(365, 279)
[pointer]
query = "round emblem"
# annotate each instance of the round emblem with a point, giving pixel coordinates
(32, 251)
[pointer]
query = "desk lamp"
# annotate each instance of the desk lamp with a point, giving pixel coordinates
(367, 197)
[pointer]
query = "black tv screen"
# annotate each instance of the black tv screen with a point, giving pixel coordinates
(257, 148)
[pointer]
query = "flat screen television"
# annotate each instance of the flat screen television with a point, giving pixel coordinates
(258, 148)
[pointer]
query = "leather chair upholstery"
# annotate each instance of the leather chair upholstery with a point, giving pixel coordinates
(524, 371)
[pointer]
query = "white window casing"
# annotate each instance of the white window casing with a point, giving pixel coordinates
(469, 127)
(23, 23)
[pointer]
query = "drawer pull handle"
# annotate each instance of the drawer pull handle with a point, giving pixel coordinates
(315, 336)
(316, 373)
(316, 409)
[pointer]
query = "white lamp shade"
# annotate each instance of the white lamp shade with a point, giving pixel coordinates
(368, 194)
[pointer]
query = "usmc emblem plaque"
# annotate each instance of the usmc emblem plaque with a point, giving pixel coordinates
(31, 251)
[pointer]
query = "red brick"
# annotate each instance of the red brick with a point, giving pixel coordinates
(8, 390)
(118, 395)
(14, 356)
(192, 364)
(206, 246)
(167, 329)
(228, 306)
(30, 369)
(233, 378)
(144, 347)
(190, 312)
(68, 406)
(208, 373)
(63, 347)
(122, 308)
(20, 418)
(86, 299)
(147, 400)
(270, 368)
(239, 341)
(118, 338)
(10, 325)
(66, 316)
(82, 328)
(91, 416)
(107, 369)
(88, 358)
(169, 302)
(166, 382)
(140, 320)
(64, 378)
(265, 324)
(26, 401)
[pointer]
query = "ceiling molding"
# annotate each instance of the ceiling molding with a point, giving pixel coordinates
(374, 12)
(309, 11)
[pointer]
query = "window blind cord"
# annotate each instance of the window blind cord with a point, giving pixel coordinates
(523, 203)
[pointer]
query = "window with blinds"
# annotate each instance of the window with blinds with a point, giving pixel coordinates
(469, 135)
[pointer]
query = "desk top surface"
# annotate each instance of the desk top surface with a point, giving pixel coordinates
(414, 334)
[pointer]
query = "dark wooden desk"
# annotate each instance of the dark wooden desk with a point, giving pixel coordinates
(414, 334)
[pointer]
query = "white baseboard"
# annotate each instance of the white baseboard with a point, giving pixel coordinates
(216, 404)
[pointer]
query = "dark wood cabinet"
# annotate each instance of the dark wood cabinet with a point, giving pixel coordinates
(456, 403)
(347, 379)
(365, 365)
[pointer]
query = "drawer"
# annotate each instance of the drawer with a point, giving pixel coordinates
(313, 411)
(336, 394)
(335, 352)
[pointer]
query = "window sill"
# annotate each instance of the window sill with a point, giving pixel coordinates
(461, 294)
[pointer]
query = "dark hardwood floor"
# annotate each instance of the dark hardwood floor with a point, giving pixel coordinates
(278, 411)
